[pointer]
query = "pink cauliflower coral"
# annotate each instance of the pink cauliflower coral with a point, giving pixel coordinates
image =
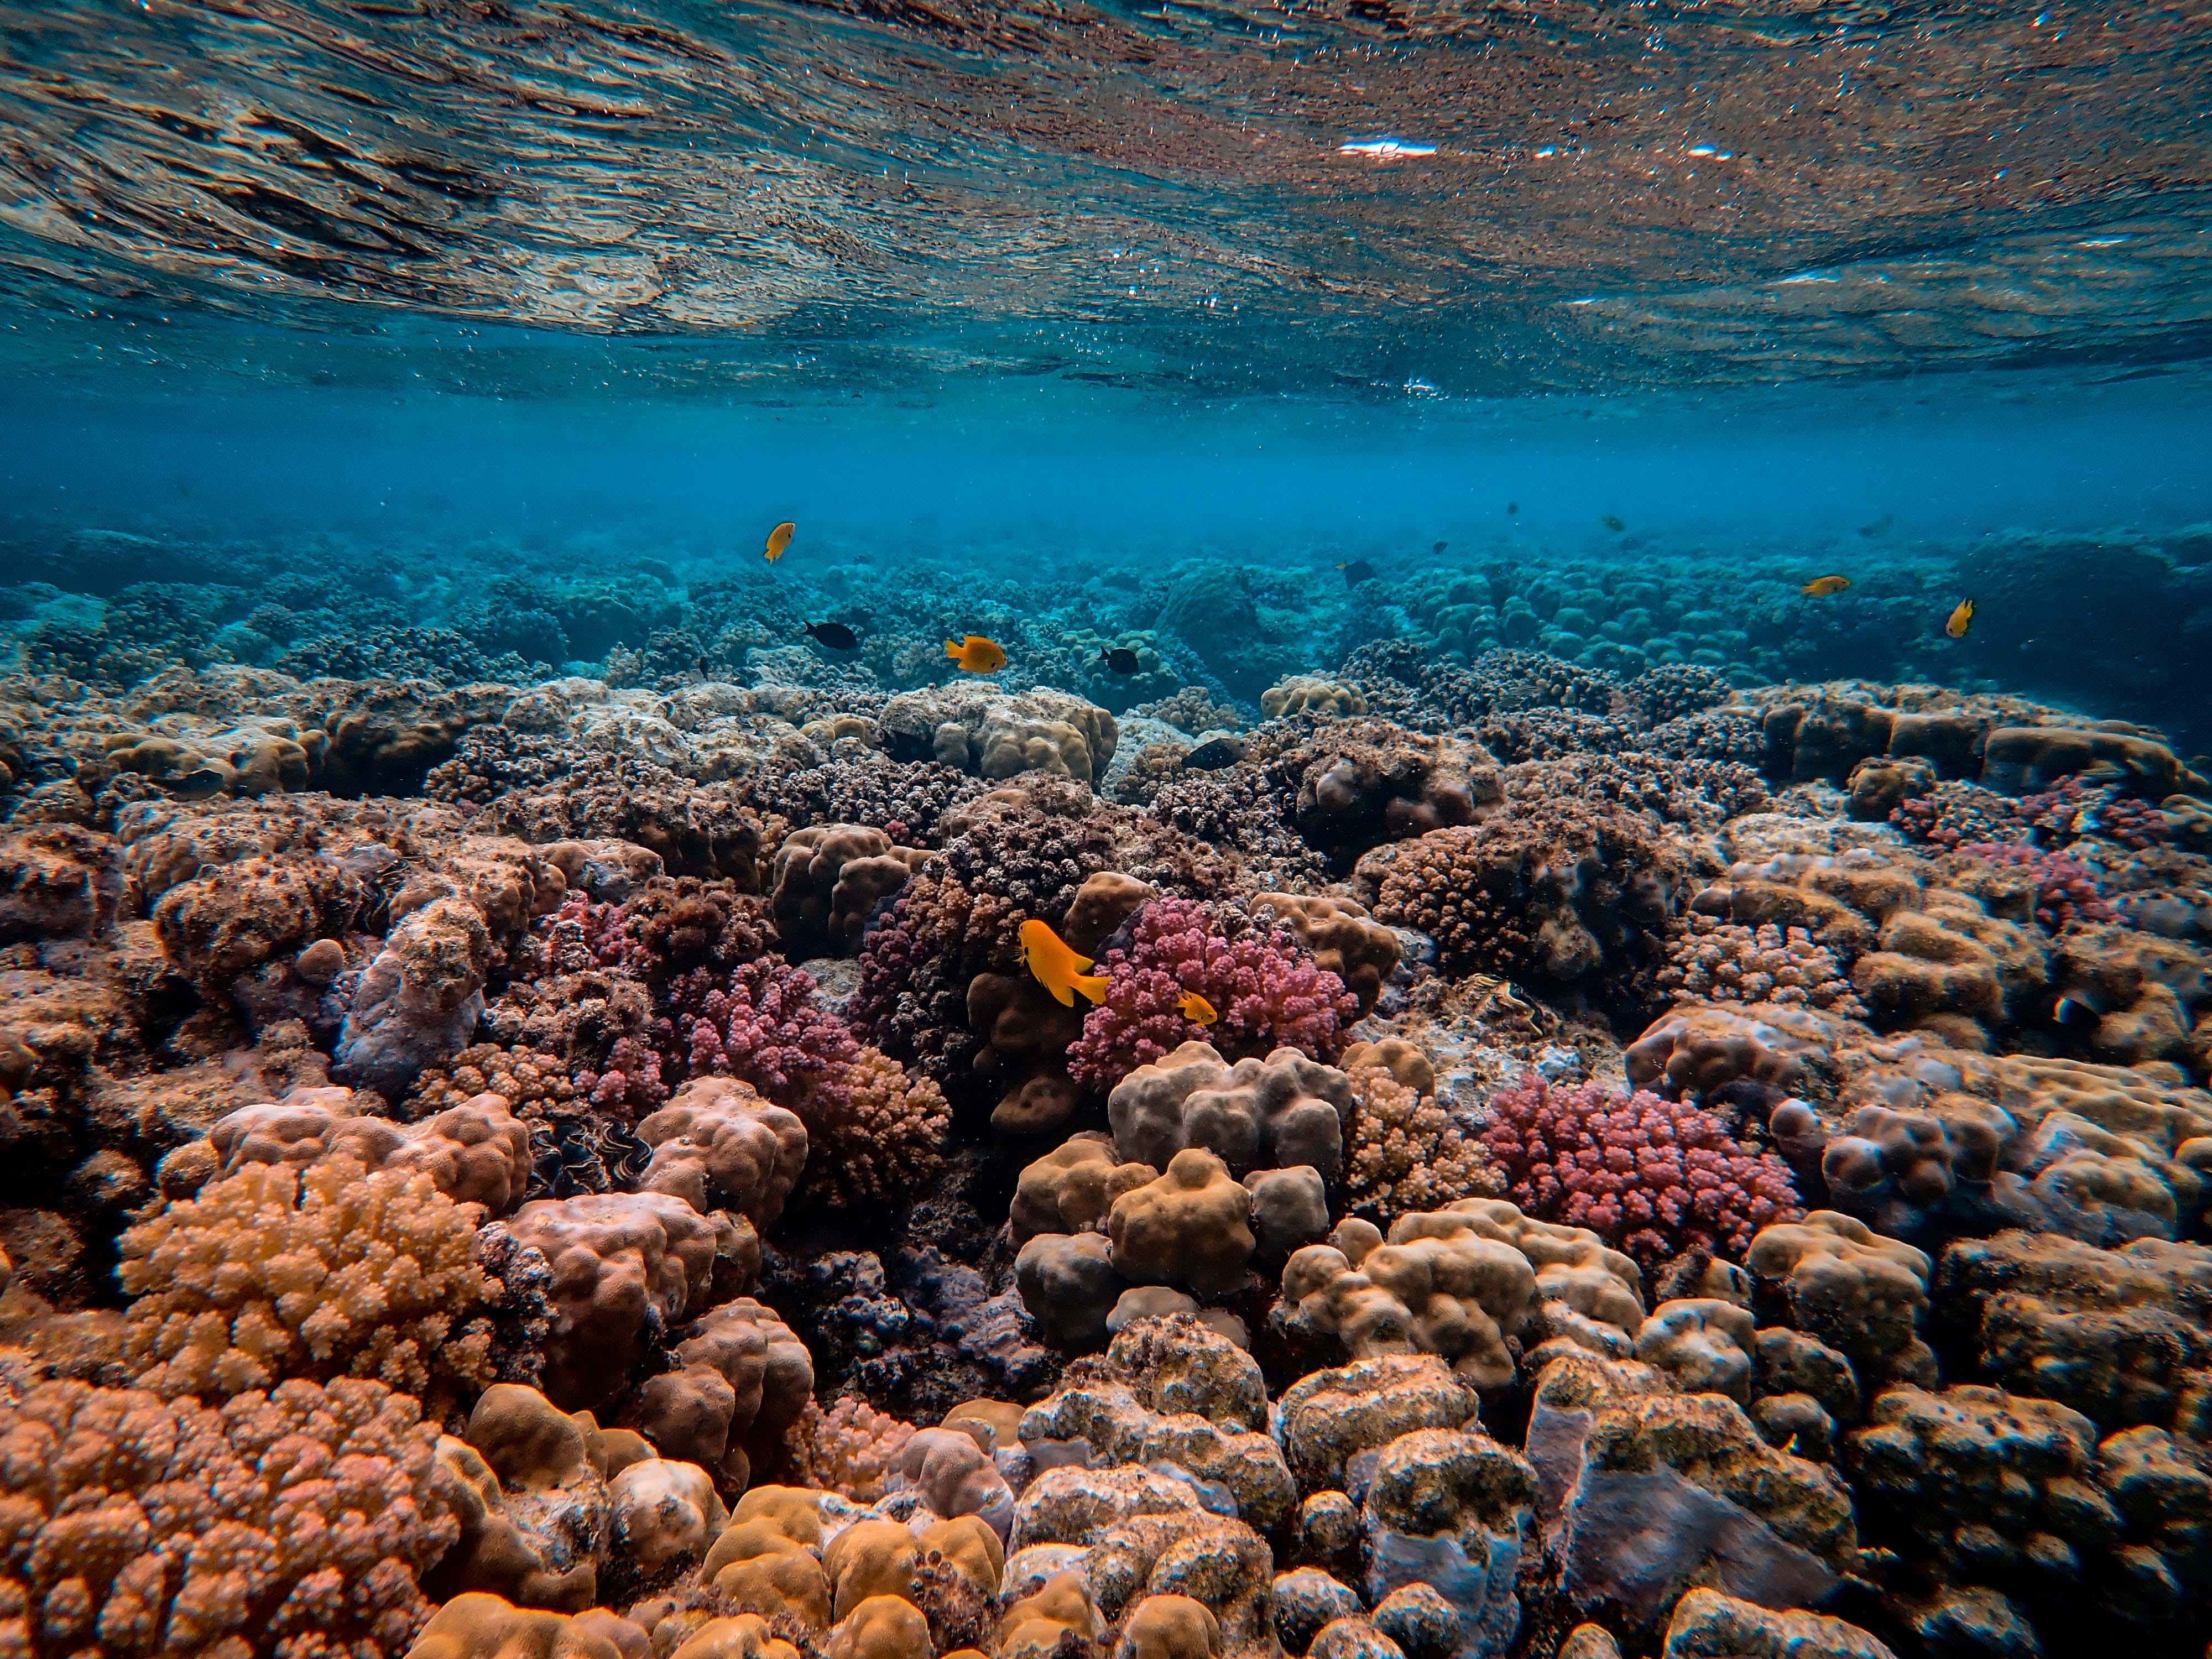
(758, 1023)
(1650, 1176)
(1268, 993)
(2065, 888)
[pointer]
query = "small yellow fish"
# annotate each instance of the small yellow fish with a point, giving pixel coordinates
(975, 654)
(1961, 619)
(779, 539)
(1196, 1007)
(1057, 966)
(1823, 586)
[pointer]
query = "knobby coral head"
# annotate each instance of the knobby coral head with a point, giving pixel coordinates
(1269, 993)
(1653, 1176)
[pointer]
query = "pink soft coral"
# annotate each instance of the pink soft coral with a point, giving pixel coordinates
(1268, 993)
(1653, 1177)
(759, 1022)
(2065, 888)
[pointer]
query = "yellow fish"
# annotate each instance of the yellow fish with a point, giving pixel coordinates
(779, 539)
(1053, 960)
(1961, 620)
(1821, 588)
(975, 654)
(1196, 1007)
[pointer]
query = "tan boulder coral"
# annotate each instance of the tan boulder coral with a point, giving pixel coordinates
(740, 1381)
(2123, 1336)
(476, 1152)
(1700, 1048)
(1341, 936)
(1708, 1624)
(1274, 1113)
(717, 1145)
(1982, 1490)
(1190, 1227)
(1309, 693)
(218, 926)
(1035, 1626)
(870, 1557)
(1860, 1294)
(56, 881)
(1026, 1034)
(1069, 1285)
(625, 1267)
(480, 1625)
(767, 1560)
(530, 1490)
(665, 1514)
(1330, 1418)
(417, 1002)
(880, 1627)
(1706, 1345)
(1171, 1392)
(1134, 1532)
(1073, 1187)
(2142, 993)
(1949, 961)
(827, 881)
(994, 734)
(1476, 1281)
(955, 1476)
(1644, 1493)
(1447, 1513)
(328, 1272)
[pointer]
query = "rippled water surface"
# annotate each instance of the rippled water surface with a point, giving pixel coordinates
(1371, 196)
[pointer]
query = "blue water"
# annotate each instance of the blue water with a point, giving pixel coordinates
(1028, 292)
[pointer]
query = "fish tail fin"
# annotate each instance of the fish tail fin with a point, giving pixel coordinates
(953, 650)
(1091, 984)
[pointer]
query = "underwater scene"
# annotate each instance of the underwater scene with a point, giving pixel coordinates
(1105, 830)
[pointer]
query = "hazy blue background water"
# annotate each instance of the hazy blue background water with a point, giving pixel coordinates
(1026, 286)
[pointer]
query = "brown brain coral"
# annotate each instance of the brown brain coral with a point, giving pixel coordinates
(277, 1273)
(291, 1525)
(1567, 895)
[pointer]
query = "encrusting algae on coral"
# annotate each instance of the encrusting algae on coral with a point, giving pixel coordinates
(1508, 1148)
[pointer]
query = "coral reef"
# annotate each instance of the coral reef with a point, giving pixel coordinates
(1669, 1154)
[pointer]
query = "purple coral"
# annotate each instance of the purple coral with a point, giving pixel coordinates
(1652, 1177)
(758, 1023)
(2065, 888)
(1268, 993)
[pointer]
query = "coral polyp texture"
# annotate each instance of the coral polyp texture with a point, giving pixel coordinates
(1580, 1136)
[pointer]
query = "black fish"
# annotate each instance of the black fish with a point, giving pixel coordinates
(1357, 572)
(1512, 507)
(1613, 524)
(835, 636)
(1212, 757)
(1119, 660)
(1440, 547)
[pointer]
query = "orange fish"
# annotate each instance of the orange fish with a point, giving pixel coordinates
(1821, 588)
(1057, 966)
(1196, 1007)
(1961, 620)
(779, 539)
(975, 654)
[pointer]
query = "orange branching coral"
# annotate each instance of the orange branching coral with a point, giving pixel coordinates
(291, 1525)
(848, 1449)
(275, 1273)
(887, 1143)
(1405, 1153)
